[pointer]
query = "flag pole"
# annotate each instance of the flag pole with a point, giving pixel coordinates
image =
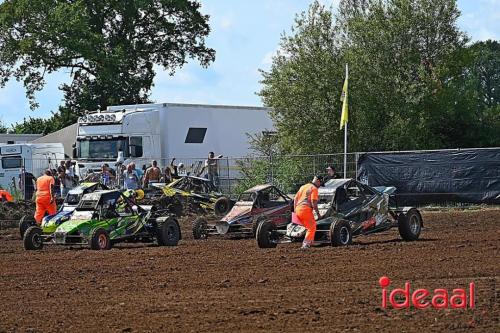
(345, 129)
(345, 151)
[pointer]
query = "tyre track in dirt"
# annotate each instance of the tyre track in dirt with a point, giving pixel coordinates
(225, 285)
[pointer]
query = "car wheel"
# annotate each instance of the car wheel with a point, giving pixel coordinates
(222, 206)
(340, 233)
(100, 240)
(255, 225)
(410, 225)
(24, 223)
(265, 235)
(168, 233)
(200, 228)
(32, 238)
(176, 207)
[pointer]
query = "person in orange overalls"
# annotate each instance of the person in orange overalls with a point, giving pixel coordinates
(45, 196)
(5, 196)
(305, 201)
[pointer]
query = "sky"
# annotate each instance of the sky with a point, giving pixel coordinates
(245, 35)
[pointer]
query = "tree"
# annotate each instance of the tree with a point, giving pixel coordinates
(399, 52)
(301, 85)
(469, 102)
(413, 81)
(109, 47)
(3, 128)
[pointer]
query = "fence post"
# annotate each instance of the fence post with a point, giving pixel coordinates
(314, 164)
(228, 177)
(271, 167)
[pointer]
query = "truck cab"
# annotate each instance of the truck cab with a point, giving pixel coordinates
(103, 135)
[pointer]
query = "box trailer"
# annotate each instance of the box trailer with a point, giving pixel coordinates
(34, 157)
(163, 131)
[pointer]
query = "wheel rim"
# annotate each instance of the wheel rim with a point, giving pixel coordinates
(344, 235)
(271, 235)
(414, 224)
(36, 240)
(103, 242)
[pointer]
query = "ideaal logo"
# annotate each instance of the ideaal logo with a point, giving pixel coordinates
(423, 298)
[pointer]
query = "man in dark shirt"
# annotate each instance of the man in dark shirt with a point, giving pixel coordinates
(27, 184)
(332, 174)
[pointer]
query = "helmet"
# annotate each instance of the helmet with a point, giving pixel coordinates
(181, 165)
(139, 194)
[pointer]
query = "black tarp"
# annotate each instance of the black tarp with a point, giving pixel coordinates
(466, 176)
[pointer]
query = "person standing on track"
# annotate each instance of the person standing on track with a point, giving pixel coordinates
(45, 196)
(304, 203)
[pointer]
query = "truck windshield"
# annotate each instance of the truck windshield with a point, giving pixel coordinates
(102, 149)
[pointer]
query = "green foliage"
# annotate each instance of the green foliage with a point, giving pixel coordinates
(109, 47)
(301, 86)
(3, 128)
(413, 81)
(272, 166)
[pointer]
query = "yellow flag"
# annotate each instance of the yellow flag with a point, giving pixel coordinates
(345, 114)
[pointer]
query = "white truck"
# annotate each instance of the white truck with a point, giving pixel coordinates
(163, 131)
(34, 157)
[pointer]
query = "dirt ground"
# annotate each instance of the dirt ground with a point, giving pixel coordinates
(226, 285)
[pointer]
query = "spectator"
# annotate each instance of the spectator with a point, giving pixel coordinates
(61, 177)
(332, 174)
(152, 174)
(131, 180)
(113, 172)
(212, 166)
(27, 184)
(106, 175)
(167, 175)
(178, 170)
(138, 172)
(69, 179)
(62, 167)
(181, 170)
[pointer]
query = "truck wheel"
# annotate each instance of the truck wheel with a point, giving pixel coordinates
(222, 206)
(265, 235)
(410, 225)
(25, 222)
(200, 228)
(100, 240)
(168, 233)
(340, 233)
(32, 238)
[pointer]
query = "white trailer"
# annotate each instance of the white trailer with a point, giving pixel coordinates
(34, 157)
(163, 131)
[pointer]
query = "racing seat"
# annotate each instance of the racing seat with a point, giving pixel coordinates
(340, 198)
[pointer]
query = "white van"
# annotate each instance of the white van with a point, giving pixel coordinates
(34, 157)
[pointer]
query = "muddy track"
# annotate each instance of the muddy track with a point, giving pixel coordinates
(224, 285)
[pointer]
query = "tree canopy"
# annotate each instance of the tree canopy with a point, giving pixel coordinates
(414, 81)
(110, 47)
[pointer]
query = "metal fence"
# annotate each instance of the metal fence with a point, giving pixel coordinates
(288, 172)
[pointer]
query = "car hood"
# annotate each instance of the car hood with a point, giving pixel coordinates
(72, 225)
(51, 222)
(237, 212)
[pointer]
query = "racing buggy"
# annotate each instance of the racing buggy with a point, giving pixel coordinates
(97, 222)
(259, 203)
(349, 209)
(190, 193)
(68, 206)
